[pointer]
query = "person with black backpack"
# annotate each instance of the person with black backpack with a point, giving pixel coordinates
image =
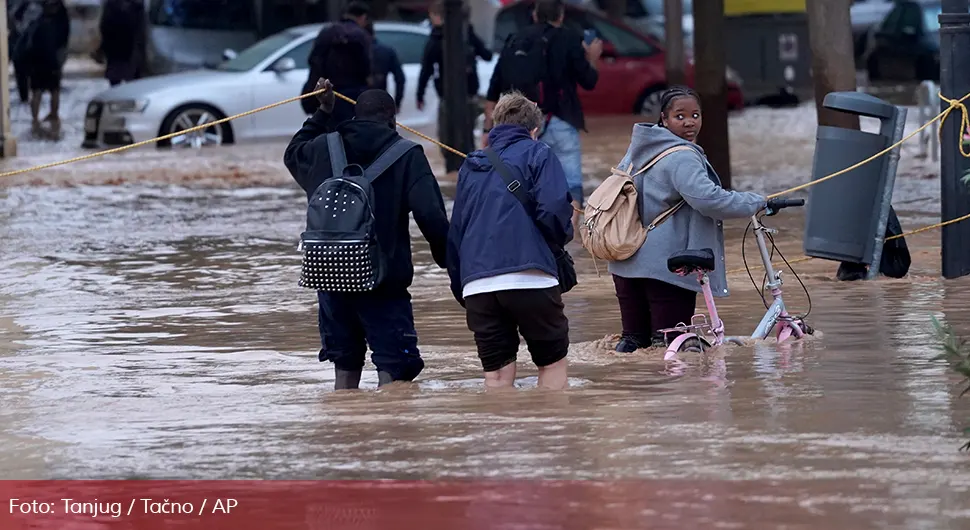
(362, 180)
(432, 65)
(547, 62)
(342, 54)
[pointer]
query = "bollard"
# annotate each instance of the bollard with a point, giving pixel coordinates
(846, 216)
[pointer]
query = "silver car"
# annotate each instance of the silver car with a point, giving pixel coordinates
(270, 71)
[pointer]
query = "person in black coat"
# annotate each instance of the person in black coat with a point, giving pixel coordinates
(383, 318)
(432, 64)
(47, 53)
(123, 39)
(386, 62)
(342, 54)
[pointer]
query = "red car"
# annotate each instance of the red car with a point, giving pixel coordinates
(632, 70)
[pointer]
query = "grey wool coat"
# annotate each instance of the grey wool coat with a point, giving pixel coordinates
(698, 224)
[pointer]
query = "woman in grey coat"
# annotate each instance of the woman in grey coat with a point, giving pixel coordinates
(650, 296)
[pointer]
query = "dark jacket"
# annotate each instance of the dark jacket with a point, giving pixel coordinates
(568, 69)
(344, 71)
(433, 60)
(387, 62)
(122, 29)
(47, 47)
(408, 187)
(491, 232)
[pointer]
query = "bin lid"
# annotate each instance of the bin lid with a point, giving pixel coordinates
(860, 104)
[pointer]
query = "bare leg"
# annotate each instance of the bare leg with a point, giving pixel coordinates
(553, 377)
(503, 378)
(35, 99)
(55, 116)
(55, 113)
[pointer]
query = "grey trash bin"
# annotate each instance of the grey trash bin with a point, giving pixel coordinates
(846, 215)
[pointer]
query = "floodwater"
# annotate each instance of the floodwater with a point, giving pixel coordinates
(159, 332)
(156, 330)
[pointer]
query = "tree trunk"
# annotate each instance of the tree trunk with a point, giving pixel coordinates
(674, 29)
(833, 65)
(615, 9)
(710, 64)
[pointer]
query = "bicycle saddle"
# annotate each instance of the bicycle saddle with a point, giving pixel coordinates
(691, 261)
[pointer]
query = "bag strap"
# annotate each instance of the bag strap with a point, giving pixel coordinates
(515, 186)
(338, 158)
(660, 157)
(666, 214)
(387, 159)
(511, 183)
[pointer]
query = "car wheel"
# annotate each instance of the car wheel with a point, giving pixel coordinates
(648, 104)
(190, 116)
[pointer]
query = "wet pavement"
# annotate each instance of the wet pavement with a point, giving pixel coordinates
(155, 329)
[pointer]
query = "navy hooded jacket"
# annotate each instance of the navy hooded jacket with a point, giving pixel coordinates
(491, 232)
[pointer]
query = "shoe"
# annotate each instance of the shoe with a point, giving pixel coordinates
(384, 378)
(346, 379)
(629, 344)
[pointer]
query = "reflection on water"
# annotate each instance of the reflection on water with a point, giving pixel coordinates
(160, 332)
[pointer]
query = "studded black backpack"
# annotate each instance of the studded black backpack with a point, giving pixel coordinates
(341, 252)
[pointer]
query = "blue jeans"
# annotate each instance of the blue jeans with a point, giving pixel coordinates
(563, 139)
(350, 322)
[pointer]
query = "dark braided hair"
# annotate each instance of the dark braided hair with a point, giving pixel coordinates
(672, 94)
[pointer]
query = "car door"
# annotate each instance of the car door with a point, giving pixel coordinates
(271, 87)
(627, 61)
(409, 46)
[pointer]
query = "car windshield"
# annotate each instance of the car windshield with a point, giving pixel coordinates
(257, 53)
(931, 18)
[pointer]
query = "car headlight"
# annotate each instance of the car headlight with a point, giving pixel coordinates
(127, 105)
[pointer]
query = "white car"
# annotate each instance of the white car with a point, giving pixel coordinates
(271, 70)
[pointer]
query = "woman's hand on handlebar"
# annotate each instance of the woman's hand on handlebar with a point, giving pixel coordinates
(773, 206)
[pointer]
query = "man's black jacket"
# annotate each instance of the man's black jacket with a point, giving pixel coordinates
(408, 186)
(433, 60)
(567, 68)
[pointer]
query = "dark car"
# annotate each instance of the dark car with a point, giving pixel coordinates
(906, 45)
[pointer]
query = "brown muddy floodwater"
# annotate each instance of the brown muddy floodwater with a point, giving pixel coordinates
(157, 331)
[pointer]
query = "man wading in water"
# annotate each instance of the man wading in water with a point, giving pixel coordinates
(381, 318)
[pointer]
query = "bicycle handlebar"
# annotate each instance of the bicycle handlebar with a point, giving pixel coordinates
(778, 204)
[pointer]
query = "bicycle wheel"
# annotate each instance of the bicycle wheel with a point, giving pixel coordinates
(694, 345)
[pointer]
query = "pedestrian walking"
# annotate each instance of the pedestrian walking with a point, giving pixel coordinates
(386, 61)
(342, 54)
(363, 298)
(432, 66)
(23, 14)
(46, 53)
(123, 39)
(503, 247)
(547, 62)
(683, 193)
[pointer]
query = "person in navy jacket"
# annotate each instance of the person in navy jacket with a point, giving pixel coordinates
(499, 259)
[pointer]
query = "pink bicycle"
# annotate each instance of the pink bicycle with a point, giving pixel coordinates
(707, 331)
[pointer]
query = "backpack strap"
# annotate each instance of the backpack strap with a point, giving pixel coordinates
(386, 159)
(338, 158)
(666, 214)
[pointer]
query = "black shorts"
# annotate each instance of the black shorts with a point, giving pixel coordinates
(497, 318)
